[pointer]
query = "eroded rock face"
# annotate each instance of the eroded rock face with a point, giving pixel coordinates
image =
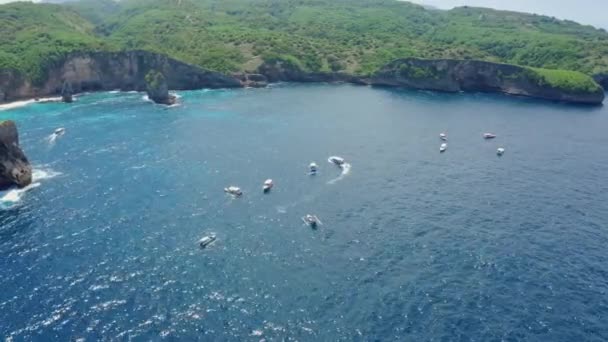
(477, 76)
(157, 88)
(15, 169)
(67, 92)
(103, 71)
(602, 79)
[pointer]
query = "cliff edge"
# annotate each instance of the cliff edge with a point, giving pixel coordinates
(478, 76)
(102, 71)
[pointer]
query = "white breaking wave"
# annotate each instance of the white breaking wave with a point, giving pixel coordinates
(345, 171)
(9, 199)
(19, 104)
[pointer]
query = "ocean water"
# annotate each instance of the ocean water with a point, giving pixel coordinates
(415, 245)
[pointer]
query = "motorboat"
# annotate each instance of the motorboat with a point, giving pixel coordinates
(489, 136)
(500, 151)
(207, 240)
(443, 137)
(313, 168)
(312, 221)
(443, 147)
(337, 160)
(233, 190)
(268, 184)
(59, 131)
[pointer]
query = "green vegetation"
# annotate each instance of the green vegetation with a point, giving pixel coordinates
(154, 79)
(355, 36)
(563, 79)
(32, 36)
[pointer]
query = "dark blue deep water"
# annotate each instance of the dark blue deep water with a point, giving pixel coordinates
(415, 246)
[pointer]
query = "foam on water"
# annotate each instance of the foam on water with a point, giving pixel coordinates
(24, 103)
(13, 197)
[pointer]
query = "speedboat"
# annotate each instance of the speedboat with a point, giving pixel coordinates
(313, 168)
(268, 184)
(336, 160)
(500, 151)
(233, 190)
(59, 131)
(489, 136)
(443, 137)
(207, 240)
(443, 147)
(312, 221)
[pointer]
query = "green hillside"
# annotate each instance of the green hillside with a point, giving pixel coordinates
(33, 35)
(355, 36)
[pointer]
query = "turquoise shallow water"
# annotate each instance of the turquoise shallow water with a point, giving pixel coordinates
(416, 245)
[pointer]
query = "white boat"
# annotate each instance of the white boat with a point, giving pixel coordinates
(233, 190)
(268, 184)
(312, 221)
(443, 137)
(489, 136)
(443, 147)
(336, 160)
(500, 151)
(313, 168)
(207, 240)
(59, 131)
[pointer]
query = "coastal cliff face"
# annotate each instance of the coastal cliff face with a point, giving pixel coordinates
(284, 71)
(99, 71)
(602, 79)
(479, 76)
(15, 169)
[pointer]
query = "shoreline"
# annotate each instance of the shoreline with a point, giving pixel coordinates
(6, 106)
(26, 102)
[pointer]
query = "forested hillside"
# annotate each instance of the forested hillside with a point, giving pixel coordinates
(354, 36)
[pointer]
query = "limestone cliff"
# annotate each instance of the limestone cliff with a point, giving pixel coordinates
(97, 71)
(479, 76)
(15, 169)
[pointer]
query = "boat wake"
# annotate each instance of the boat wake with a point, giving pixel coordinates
(345, 171)
(11, 198)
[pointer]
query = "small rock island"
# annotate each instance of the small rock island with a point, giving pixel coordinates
(157, 88)
(15, 169)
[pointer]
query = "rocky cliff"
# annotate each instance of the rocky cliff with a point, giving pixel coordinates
(15, 169)
(602, 79)
(99, 71)
(479, 76)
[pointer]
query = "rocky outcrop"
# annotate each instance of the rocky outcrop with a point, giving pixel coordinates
(157, 88)
(252, 80)
(67, 92)
(479, 76)
(15, 169)
(99, 71)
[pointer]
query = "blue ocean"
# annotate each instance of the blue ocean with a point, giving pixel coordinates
(416, 245)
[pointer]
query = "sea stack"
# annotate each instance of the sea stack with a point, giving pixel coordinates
(67, 92)
(15, 169)
(157, 88)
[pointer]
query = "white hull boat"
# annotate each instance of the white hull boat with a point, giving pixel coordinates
(234, 191)
(268, 184)
(207, 240)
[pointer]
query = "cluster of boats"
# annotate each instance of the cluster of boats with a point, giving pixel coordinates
(310, 220)
(488, 136)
